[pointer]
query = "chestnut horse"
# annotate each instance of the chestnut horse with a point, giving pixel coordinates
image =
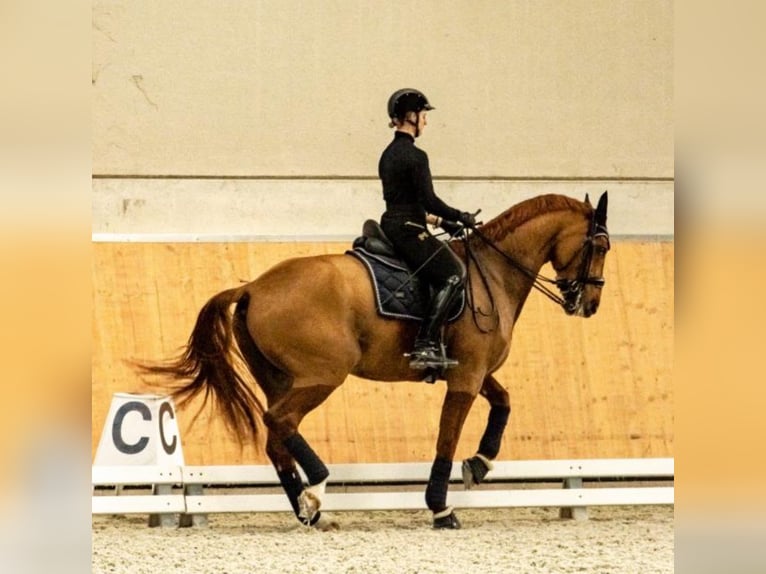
(307, 323)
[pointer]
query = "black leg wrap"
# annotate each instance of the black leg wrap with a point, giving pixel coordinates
(490, 441)
(436, 491)
(308, 460)
(292, 485)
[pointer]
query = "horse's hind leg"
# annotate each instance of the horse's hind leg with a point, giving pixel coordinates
(275, 384)
(291, 481)
(477, 467)
(283, 419)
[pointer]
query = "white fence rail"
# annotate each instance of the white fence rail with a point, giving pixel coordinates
(190, 500)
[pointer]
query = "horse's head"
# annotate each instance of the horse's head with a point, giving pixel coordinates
(578, 258)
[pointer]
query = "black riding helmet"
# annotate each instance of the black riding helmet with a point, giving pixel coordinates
(407, 100)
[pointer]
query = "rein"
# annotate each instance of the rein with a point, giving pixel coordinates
(475, 310)
(567, 287)
(538, 280)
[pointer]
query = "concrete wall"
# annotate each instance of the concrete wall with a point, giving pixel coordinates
(298, 88)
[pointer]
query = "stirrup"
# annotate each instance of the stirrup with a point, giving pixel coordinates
(430, 358)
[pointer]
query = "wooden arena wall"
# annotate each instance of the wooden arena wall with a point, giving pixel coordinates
(597, 387)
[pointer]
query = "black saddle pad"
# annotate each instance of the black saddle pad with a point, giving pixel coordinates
(397, 294)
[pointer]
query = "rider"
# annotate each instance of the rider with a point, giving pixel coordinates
(411, 202)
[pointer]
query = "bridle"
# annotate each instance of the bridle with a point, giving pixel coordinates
(571, 289)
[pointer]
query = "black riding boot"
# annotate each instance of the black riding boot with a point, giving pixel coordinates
(428, 352)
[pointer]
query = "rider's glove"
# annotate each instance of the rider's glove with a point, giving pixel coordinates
(467, 219)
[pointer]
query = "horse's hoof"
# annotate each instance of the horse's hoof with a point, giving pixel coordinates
(474, 470)
(468, 479)
(447, 522)
(308, 506)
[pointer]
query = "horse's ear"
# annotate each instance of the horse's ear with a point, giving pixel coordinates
(601, 209)
(587, 200)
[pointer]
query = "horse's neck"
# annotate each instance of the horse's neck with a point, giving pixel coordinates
(530, 246)
(531, 243)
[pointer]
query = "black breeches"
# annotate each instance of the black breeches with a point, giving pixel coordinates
(421, 250)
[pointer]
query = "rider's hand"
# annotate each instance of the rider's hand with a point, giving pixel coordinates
(467, 219)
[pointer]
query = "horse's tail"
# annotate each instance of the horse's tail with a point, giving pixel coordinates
(212, 362)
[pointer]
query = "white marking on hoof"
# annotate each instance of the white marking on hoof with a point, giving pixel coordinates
(469, 480)
(446, 512)
(310, 501)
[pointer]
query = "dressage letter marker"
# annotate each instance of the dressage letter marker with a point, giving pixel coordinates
(142, 430)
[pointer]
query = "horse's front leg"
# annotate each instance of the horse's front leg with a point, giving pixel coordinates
(454, 411)
(477, 467)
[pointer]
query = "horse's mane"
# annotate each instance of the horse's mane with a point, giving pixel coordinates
(497, 228)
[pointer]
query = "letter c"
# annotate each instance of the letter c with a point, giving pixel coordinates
(169, 448)
(119, 442)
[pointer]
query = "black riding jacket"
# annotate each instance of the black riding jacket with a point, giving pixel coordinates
(407, 186)
(409, 194)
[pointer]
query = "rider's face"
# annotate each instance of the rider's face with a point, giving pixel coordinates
(419, 118)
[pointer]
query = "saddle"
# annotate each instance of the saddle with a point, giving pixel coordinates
(398, 293)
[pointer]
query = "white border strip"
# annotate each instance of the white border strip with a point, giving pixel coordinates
(459, 499)
(325, 210)
(215, 238)
(418, 472)
(387, 472)
(225, 238)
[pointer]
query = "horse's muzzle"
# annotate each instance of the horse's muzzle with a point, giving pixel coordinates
(590, 308)
(573, 292)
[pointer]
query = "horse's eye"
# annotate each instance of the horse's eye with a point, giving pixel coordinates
(600, 250)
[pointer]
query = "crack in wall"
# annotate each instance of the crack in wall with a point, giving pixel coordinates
(138, 82)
